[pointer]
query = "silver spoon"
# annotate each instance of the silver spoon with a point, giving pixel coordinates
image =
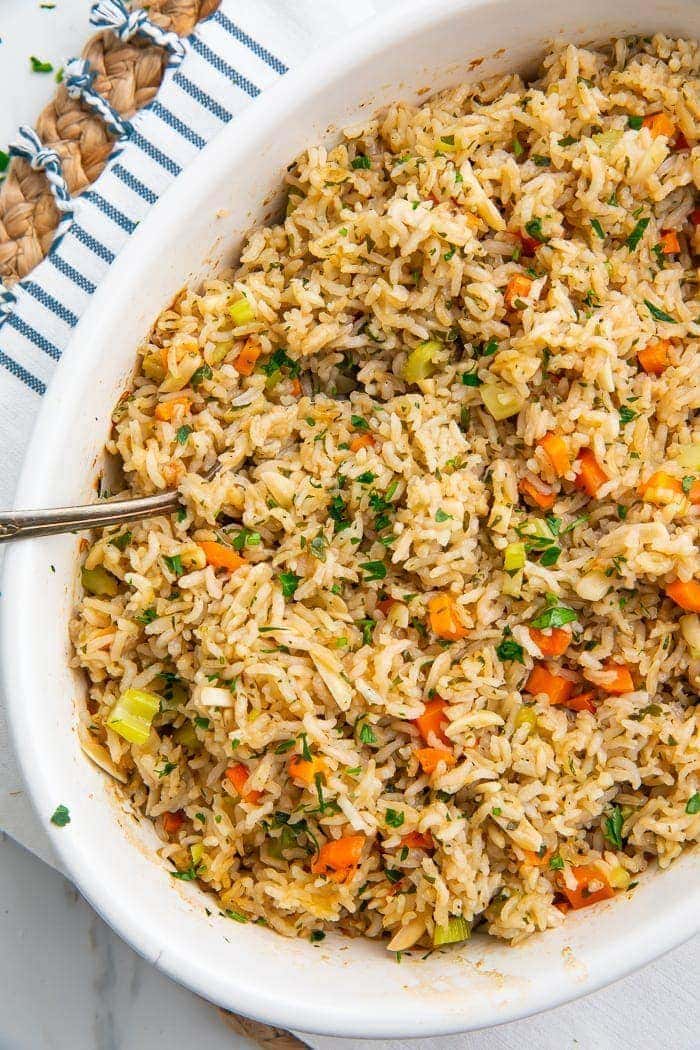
(20, 524)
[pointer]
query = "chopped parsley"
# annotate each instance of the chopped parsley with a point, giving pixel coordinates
(441, 516)
(598, 229)
(554, 616)
(658, 314)
(627, 414)
(635, 122)
(361, 161)
(183, 433)
(60, 816)
(533, 228)
(637, 234)
(122, 541)
(38, 66)
(471, 378)
(280, 359)
(692, 806)
(367, 735)
(289, 582)
(375, 570)
(509, 650)
(612, 827)
(394, 818)
(174, 563)
(200, 374)
(147, 616)
(359, 422)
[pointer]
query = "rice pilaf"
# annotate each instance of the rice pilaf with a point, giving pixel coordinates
(424, 655)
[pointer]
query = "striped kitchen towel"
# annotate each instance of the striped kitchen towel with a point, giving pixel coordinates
(227, 62)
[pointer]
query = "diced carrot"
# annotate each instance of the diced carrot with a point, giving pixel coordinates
(238, 776)
(590, 476)
(472, 220)
(361, 441)
(661, 488)
(166, 409)
(430, 757)
(418, 840)
(654, 356)
(669, 242)
(296, 387)
(386, 605)
(221, 556)
(685, 593)
(582, 702)
(444, 621)
(660, 124)
(518, 287)
(538, 860)
(693, 492)
(304, 771)
(563, 906)
(172, 822)
(339, 857)
(556, 688)
(553, 644)
(622, 681)
(582, 896)
(245, 362)
(536, 497)
(557, 452)
(432, 720)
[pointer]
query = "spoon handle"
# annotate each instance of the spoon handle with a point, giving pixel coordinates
(19, 524)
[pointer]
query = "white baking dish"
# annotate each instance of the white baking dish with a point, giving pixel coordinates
(343, 987)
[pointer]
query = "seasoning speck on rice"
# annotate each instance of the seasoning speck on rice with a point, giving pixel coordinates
(424, 655)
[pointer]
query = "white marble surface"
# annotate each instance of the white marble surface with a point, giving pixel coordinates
(66, 981)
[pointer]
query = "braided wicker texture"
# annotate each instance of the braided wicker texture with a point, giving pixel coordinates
(129, 75)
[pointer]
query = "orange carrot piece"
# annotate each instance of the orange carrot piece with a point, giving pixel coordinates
(661, 488)
(221, 556)
(581, 897)
(536, 497)
(430, 758)
(537, 860)
(432, 720)
(296, 388)
(303, 771)
(553, 644)
(654, 356)
(557, 452)
(685, 593)
(245, 362)
(339, 856)
(518, 287)
(172, 822)
(361, 441)
(418, 840)
(693, 493)
(660, 124)
(582, 702)
(591, 475)
(472, 220)
(622, 682)
(166, 409)
(444, 621)
(556, 688)
(669, 242)
(386, 605)
(238, 776)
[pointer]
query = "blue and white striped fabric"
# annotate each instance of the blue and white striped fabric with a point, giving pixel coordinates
(228, 61)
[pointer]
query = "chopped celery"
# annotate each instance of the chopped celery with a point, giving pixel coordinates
(457, 929)
(512, 585)
(526, 717)
(689, 456)
(241, 312)
(422, 361)
(187, 737)
(619, 878)
(501, 400)
(133, 714)
(220, 351)
(514, 557)
(607, 139)
(152, 365)
(99, 582)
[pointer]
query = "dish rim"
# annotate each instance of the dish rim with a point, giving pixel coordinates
(77, 856)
